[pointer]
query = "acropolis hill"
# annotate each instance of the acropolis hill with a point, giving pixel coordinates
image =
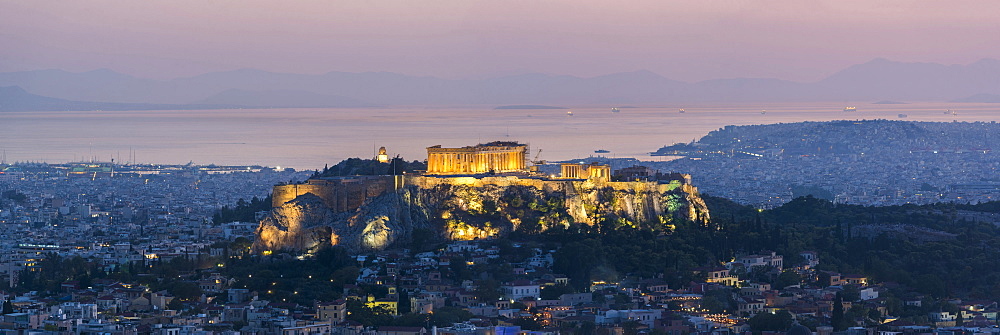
(471, 192)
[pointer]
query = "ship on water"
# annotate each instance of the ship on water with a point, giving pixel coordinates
(850, 109)
(569, 113)
(601, 151)
(615, 110)
(681, 111)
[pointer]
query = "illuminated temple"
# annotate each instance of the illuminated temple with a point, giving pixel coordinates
(493, 157)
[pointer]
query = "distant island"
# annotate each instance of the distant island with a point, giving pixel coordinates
(530, 107)
(889, 102)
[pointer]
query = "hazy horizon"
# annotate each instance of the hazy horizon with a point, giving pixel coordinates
(471, 77)
(691, 42)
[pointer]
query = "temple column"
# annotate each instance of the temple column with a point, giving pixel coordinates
(462, 164)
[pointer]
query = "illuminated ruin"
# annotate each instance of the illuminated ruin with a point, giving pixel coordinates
(493, 157)
(472, 192)
(592, 171)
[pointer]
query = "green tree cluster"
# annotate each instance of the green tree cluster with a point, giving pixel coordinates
(370, 167)
(243, 211)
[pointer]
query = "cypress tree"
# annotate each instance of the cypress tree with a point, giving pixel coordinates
(8, 307)
(837, 317)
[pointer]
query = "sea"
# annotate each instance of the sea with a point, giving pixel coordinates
(307, 139)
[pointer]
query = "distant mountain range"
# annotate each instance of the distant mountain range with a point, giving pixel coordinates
(982, 97)
(879, 79)
(529, 107)
(281, 98)
(16, 99)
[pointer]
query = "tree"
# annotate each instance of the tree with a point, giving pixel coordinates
(175, 304)
(15, 195)
(527, 323)
(577, 260)
(404, 302)
(631, 327)
(368, 316)
(837, 319)
(787, 278)
(779, 321)
(488, 291)
(554, 292)
(717, 301)
(850, 293)
(460, 268)
(240, 246)
(185, 290)
(447, 316)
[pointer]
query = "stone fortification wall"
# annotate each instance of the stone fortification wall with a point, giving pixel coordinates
(339, 194)
(281, 194)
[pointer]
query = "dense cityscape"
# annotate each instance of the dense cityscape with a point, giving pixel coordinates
(870, 162)
(145, 249)
(470, 167)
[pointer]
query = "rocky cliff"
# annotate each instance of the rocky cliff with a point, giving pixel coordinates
(467, 208)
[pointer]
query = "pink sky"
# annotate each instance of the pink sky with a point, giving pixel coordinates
(684, 40)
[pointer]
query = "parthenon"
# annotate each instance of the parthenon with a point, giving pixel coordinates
(495, 157)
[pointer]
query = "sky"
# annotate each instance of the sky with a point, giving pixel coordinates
(683, 40)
